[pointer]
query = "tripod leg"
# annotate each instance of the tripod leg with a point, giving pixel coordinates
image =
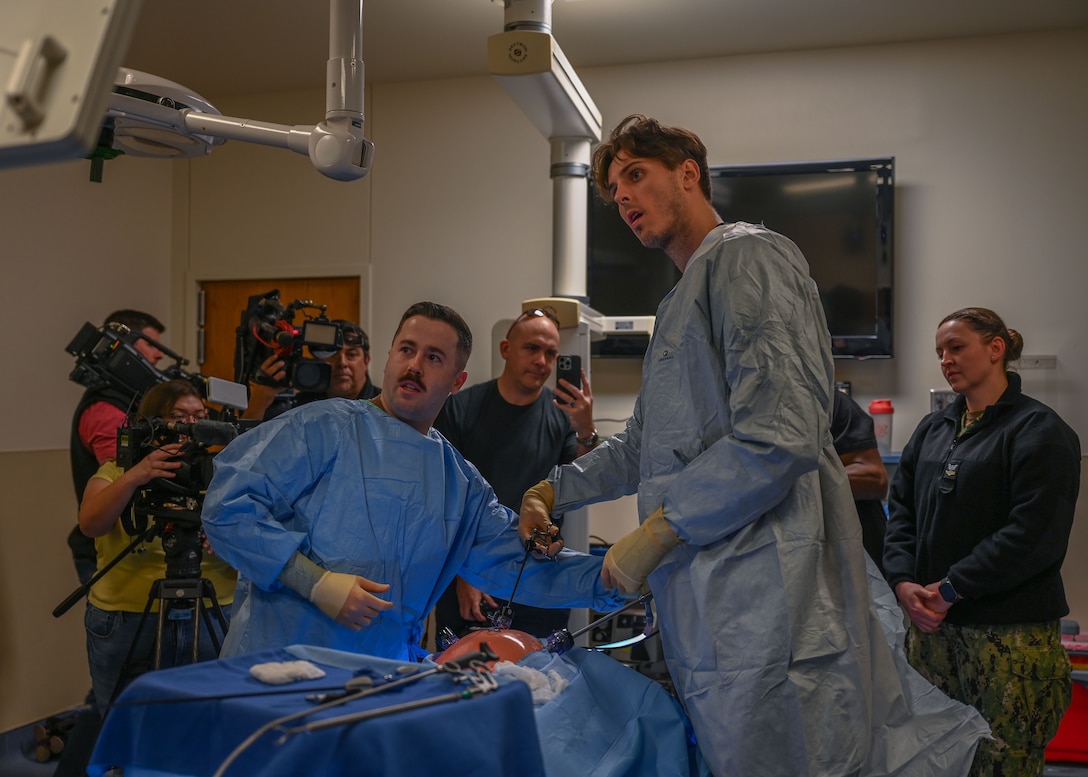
(168, 594)
(198, 613)
(159, 632)
(214, 610)
(127, 666)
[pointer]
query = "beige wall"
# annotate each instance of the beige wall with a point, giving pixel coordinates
(43, 660)
(987, 134)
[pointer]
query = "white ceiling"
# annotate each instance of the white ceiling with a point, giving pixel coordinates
(229, 47)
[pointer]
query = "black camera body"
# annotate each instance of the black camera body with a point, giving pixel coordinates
(106, 357)
(174, 503)
(178, 498)
(268, 328)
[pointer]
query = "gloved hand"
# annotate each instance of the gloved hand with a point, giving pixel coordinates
(630, 561)
(330, 593)
(347, 599)
(536, 515)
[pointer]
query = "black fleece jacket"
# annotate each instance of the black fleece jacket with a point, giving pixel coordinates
(991, 510)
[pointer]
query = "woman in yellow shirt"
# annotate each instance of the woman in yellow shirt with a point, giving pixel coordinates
(117, 601)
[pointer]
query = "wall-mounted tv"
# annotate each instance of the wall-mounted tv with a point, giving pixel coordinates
(840, 213)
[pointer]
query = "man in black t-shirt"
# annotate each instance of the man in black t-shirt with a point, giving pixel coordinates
(855, 442)
(514, 429)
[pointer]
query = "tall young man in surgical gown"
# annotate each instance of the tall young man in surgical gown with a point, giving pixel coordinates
(748, 537)
(347, 519)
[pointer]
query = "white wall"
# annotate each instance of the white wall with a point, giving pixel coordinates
(464, 212)
(987, 134)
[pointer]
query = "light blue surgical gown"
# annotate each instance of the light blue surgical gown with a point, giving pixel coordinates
(767, 623)
(358, 491)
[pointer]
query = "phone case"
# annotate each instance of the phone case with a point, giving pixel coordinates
(568, 367)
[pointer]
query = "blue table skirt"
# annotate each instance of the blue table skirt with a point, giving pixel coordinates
(488, 734)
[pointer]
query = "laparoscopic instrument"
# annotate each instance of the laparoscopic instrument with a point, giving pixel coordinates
(512, 644)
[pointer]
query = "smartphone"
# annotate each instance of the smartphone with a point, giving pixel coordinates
(568, 367)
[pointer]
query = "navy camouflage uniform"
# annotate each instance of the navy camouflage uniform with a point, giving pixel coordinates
(990, 508)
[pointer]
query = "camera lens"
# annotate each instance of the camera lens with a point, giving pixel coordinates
(310, 375)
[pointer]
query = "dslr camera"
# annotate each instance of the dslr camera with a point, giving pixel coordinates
(268, 328)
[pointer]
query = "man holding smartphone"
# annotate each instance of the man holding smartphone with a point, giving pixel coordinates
(515, 429)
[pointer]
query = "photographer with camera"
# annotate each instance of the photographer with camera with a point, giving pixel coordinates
(100, 413)
(116, 602)
(349, 377)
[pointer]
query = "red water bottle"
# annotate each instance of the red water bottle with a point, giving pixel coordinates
(881, 410)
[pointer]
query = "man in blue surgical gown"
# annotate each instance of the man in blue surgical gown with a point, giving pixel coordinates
(748, 535)
(347, 519)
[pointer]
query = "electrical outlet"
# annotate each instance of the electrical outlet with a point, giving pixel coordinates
(939, 399)
(1038, 362)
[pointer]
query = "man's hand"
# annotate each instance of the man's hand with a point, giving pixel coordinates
(923, 604)
(469, 599)
(263, 392)
(349, 599)
(577, 404)
(631, 560)
(536, 515)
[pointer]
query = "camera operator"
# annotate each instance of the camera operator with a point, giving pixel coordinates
(95, 422)
(350, 378)
(117, 601)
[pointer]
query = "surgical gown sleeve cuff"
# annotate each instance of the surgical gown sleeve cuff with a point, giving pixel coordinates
(300, 574)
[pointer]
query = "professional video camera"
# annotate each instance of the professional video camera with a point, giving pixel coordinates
(268, 328)
(106, 357)
(174, 503)
(178, 498)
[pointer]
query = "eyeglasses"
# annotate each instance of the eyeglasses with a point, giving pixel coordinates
(188, 418)
(534, 313)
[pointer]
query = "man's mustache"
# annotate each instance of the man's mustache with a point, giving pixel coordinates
(415, 377)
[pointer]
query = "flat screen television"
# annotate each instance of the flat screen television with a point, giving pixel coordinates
(840, 213)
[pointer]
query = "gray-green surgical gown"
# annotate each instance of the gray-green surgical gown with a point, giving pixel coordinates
(766, 618)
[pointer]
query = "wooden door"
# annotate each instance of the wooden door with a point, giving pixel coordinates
(225, 301)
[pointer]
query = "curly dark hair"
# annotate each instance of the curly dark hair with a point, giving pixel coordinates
(641, 136)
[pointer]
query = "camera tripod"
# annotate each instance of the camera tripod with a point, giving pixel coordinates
(177, 521)
(174, 595)
(182, 591)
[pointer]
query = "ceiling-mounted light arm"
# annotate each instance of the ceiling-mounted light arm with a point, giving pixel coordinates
(527, 15)
(344, 71)
(296, 138)
(337, 147)
(151, 116)
(527, 61)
